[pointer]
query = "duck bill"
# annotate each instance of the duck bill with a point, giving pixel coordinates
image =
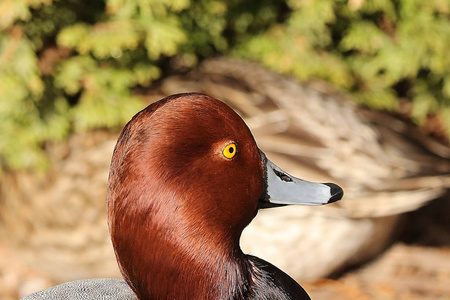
(282, 189)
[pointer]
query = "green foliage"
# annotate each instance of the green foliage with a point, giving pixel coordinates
(73, 65)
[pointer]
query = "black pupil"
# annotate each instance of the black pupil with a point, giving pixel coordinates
(231, 150)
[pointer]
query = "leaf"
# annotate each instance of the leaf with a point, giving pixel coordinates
(103, 40)
(423, 104)
(381, 99)
(163, 38)
(365, 37)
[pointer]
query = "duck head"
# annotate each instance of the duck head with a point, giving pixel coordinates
(186, 178)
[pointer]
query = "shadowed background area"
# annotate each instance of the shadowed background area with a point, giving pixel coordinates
(357, 107)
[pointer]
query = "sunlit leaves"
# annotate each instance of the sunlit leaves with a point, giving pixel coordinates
(13, 10)
(163, 37)
(103, 40)
(106, 100)
(145, 8)
(364, 36)
(310, 19)
(100, 108)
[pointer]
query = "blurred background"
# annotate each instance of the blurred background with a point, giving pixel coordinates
(355, 92)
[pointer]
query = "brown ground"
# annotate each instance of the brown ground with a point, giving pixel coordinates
(415, 267)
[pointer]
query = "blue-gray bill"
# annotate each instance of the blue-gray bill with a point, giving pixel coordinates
(282, 189)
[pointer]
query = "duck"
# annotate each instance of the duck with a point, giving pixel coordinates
(186, 178)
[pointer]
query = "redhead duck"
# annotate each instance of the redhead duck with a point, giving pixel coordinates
(186, 178)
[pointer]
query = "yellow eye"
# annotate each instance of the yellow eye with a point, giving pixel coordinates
(229, 151)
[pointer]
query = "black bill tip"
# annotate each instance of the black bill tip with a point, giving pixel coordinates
(336, 192)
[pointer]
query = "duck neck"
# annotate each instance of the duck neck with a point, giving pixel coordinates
(185, 261)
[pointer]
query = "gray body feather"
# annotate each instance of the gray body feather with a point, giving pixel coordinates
(107, 289)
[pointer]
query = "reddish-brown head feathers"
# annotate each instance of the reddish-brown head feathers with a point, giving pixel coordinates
(176, 205)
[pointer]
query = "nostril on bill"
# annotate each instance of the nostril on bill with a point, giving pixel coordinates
(282, 176)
